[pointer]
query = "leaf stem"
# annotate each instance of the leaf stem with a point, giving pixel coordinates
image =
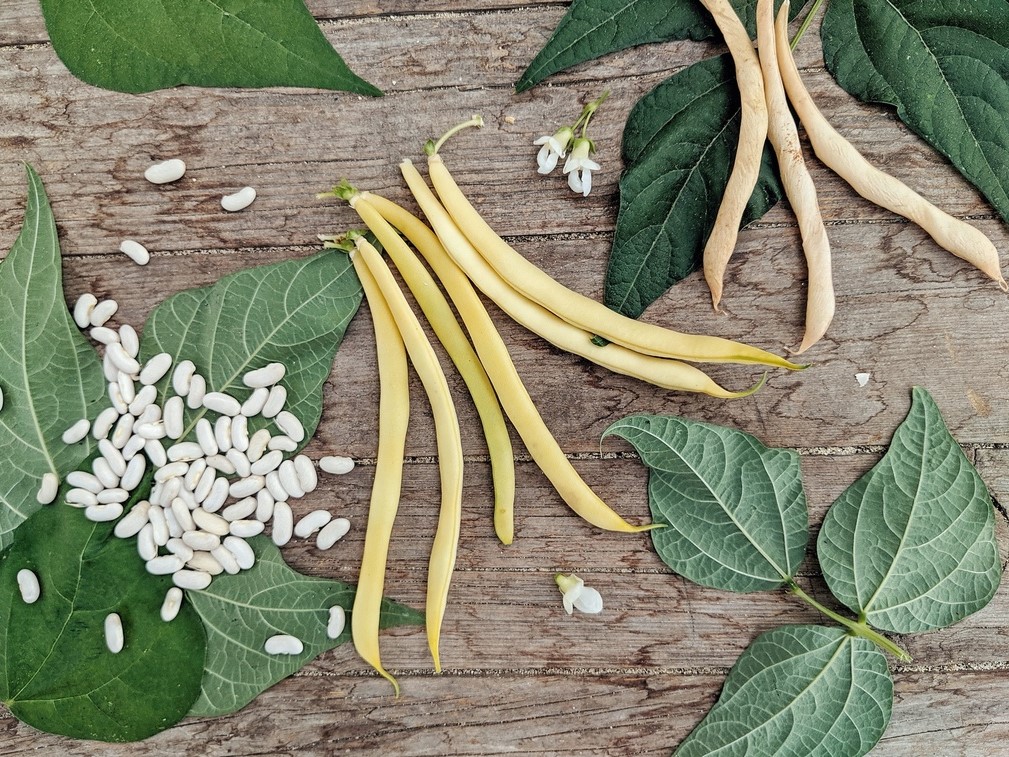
(431, 147)
(860, 629)
(806, 23)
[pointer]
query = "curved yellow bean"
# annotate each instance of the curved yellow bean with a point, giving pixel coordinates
(394, 415)
(446, 423)
(443, 320)
(577, 309)
(515, 400)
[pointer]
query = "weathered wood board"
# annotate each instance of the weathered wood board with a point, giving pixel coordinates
(521, 676)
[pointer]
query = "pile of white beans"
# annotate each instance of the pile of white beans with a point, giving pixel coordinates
(208, 496)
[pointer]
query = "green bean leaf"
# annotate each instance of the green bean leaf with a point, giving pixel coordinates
(943, 66)
(143, 45)
(242, 611)
(799, 690)
(679, 147)
(593, 28)
(734, 510)
(911, 545)
(56, 672)
(295, 313)
(49, 374)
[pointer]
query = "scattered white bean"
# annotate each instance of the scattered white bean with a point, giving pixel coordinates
(336, 465)
(289, 479)
(110, 371)
(244, 555)
(28, 585)
(268, 463)
(103, 472)
(196, 470)
(275, 487)
(221, 464)
(122, 432)
(222, 433)
(159, 525)
(275, 402)
(184, 451)
(155, 369)
(240, 433)
(256, 402)
(113, 456)
(217, 497)
(182, 377)
(134, 473)
(103, 513)
(163, 565)
(172, 604)
(166, 172)
(182, 516)
(307, 477)
(113, 496)
(211, 522)
(311, 523)
(205, 485)
(264, 505)
(180, 549)
(227, 560)
(205, 437)
(290, 425)
(129, 339)
(48, 489)
(116, 398)
(197, 391)
(283, 644)
(127, 389)
(147, 548)
(135, 252)
(206, 562)
(83, 308)
(155, 450)
(222, 403)
(84, 480)
(104, 335)
(239, 461)
(196, 580)
(104, 423)
(121, 359)
(114, 638)
(332, 533)
(337, 622)
(264, 377)
(201, 541)
(103, 311)
(144, 400)
(240, 510)
(282, 443)
(240, 200)
(171, 470)
(82, 497)
(257, 445)
(283, 523)
(173, 414)
(134, 521)
(247, 528)
(246, 487)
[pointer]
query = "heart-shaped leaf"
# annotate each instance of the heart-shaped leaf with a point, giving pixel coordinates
(56, 672)
(242, 611)
(734, 510)
(944, 66)
(911, 545)
(679, 146)
(143, 45)
(799, 690)
(49, 374)
(295, 313)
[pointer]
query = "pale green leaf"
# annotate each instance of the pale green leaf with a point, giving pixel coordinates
(734, 510)
(56, 672)
(943, 66)
(241, 612)
(801, 691)
(142, 45)
(49, 374)
(911, 544)
(294, 313)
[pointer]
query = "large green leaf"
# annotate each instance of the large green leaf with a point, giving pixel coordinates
(593, 28)
(294, 313)
(944, 66)
(911, 544)
(143, 45)
(799, 690)
(242, 611)
(734, 510)
(679, 146)
(56, 672)
(49, 375)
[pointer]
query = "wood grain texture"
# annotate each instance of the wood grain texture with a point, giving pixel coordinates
(522, 677)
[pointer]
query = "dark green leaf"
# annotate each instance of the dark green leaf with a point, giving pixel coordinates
(294, 313)
(56, 672)
(679, 145)
(911, 544)
(944, 66)
(242, 611)
(49, 374)
(593, 28)
(143, 45)
(734, 510)
(799, 690)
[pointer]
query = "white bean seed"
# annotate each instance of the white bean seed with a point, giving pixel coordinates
(239, 461)
(155, 451)
(289, 479)
(180, 549)
(166, 172)
(113, 496)
(182, 515)
(269, 462)
(264, 377)
(227, 560)
(173, 413)
(103, 513)
(256, 402)
(206, 562)
(116, 398)
(48, 489)
(157, 517)
(28, 585)
(172, 470)
(103, 472)
(247, 528)
(182, 377)
(82, 309)
(81, 497)
(222, 433)
(196, 469)
(172, 604)
(332, 533)
(84, 480)
(217, 497)
(337, 622)
(201, 541)
(211, 522)
(283, 644)
(197, 391)
(282, 443)
(311, 523)
(196, 580)
(127, 389)
(205, 436)
(174, 529)
(121, 359)
(275, 402)
(110, 371)
(257, 445)
(307, 476)
(134, 473)
(104, 335)
(135, 252)
(290, 425)
(283, 523)
(155, 369)
(147, 548)
(205, 485)
(240, 433)
(162, 566)
(240, 510)
(76, 432)
(123, 431)
(104, 423)
(103, 311)
(221, 464)
(246, 487)
(113, 456)
(240, 200)
(336, 465)
(184, 451)
(114, 638)
(264, 505)
(129, 339)
(275, 487)
(144, 399)
(222, 403)
(244, 555)
(134, 520)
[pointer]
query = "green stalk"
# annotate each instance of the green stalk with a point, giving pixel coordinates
(860, 629)
(805, 23)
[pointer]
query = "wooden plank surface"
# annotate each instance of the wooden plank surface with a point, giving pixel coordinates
(521, 676)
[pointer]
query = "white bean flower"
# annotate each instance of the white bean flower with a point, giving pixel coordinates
(553, 148)
(579, 167)
(578, 596)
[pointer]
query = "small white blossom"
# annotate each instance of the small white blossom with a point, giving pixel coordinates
(579, 167)
(553, 148)
(578, 596)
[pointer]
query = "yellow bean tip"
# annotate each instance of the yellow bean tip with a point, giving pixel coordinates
(1002, 284)
(752, 390)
